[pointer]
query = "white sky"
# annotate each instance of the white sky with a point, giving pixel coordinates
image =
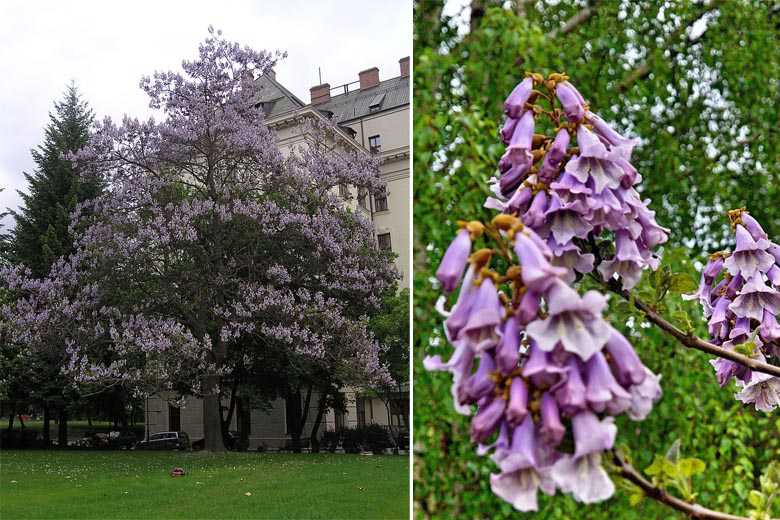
(107, 46)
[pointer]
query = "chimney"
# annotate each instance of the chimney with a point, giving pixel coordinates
(320, 94)
(404, 63)
(369, 78)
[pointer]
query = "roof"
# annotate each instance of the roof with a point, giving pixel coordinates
(276, 99)
(390, 93)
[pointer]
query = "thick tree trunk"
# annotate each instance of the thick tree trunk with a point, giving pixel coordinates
(244, 423)
(212, 416)
(62, 433)
(46, 425)
(315, 442)
(225, 421)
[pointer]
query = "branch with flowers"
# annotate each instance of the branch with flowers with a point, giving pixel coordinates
(536, 363)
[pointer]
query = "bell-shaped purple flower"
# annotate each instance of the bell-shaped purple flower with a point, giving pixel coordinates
(584, 477)
(595, 162)
(750, 255)
(770, 329)
(528, 310)
(461, 311)
(514, 106)
(763, 391)
(535, 215)
(566, 220)
(508, 349)
(607, 133)
(520, 488)
(582, 474)
(517, 409)
(508, 129)
(518, 152)
(754, 297)
(460, 366)
(573, 322)
(725, 369)
(627, 262)
(602, 387)
(554, 157)
(644, 395)
(592, 435)
(482, 328)
(629, 368)
(481, 382)
(454, 261)
(552, 429)
(752, 226)
(523, 450)
(540, 368)
(571, 258)
(570, 393)
(486, 420)
(571, 100)
(536, 271)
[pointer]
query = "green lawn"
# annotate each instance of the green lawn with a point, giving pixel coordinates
(83, 485)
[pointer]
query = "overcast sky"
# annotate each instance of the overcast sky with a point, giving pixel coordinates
(105, 47)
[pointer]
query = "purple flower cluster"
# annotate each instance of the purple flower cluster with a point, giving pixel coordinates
(567, 193)
(540, 364)
(740, 293)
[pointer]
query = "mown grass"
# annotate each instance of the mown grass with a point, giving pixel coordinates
(130, 485)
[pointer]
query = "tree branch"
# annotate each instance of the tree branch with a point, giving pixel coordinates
(643, 69)
(689, 340)
(628, 472)
(582, 16)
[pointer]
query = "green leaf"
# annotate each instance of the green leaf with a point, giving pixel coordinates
(756, 499)
(690, 466)
(682, 283)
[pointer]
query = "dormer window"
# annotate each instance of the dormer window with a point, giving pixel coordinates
(375, 143)
(376, 102)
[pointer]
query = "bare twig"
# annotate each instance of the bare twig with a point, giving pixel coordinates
(643, 69)
(689, 340)
(582, 16)
(628, 472)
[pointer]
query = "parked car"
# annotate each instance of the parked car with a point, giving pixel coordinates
(122, 440)
(166, 441)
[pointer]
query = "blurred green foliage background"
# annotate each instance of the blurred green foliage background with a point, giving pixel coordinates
(699, 83)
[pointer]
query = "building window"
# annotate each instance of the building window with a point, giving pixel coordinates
(343, 191)
(383, 241)
(360, 409)
(380, 199)
(174, 418)
(375, 143)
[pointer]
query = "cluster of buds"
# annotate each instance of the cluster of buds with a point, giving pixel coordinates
(544, 370)
(740, 294)
(569, 193)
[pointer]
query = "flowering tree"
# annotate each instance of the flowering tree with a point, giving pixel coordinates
(208, 240)
(551, 373)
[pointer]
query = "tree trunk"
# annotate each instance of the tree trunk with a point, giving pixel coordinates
(212, 416)
(225, 421)
(11, 418)
(62, 434)
(315, 442)
(46, 424)
(299, 414)
(244, 423)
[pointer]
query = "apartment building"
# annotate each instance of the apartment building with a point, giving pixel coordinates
(371, 115)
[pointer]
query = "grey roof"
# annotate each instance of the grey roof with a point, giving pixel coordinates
(390, 93)
(275, 98)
